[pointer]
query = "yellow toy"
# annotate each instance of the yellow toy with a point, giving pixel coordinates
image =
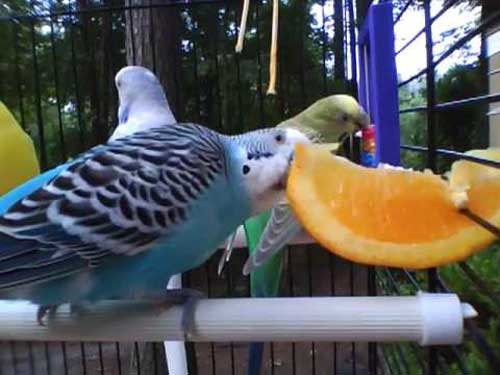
(18, 160)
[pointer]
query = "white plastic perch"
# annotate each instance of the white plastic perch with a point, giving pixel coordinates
(429, 319)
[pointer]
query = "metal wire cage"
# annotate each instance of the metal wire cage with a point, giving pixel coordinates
(57, 76)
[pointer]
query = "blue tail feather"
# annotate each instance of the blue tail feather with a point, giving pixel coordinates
(42, 272)
(15, 195)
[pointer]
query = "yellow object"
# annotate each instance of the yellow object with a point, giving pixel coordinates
(18, 161)
(388, 216)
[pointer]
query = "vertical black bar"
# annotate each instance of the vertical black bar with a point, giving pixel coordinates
(47, 358)
(291, 284)
(152, 35)
(332, 292)
(271, 354)
(16, 46)
(323, 47)
(56, 88)
(192, 364)
(83, 358)
(216, 62)
(118, 358)
(229, 291)
(101, 358)
(209, 293)
(259, 64)
(31, 360)
(137, 355)
(431, 93)
(12, 345)
(75, 78)
(301, 55)
(281, 72)
(372, 346)
(179, 111)
(111, 61)
(132, 36)
(431, 146)
(344, 42)
(65, 357)
(155, 356)
(310, 292)
(352, 42)
(351, 286)
(241, 127)
(196, 80)
(38, 95)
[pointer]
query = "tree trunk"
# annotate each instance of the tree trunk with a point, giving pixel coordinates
(153, 41)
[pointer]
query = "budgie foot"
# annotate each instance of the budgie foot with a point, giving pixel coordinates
(42, 311)
(188, 298)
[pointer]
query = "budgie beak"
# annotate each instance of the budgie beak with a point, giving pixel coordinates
(363, 121)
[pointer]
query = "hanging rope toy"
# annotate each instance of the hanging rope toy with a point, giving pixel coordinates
(273, 55)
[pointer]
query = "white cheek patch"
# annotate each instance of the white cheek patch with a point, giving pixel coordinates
(294, 136)
(263, 179)
(266, 172)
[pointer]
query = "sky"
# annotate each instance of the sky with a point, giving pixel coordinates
(413, 59)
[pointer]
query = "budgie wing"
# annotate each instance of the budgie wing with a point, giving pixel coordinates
(280, 229)
(112, 202)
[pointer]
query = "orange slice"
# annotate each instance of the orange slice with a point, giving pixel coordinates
(386, 216)
(464, 174)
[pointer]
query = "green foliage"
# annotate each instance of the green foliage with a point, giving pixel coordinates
(413, 127)
(224, 91)
(461, 128)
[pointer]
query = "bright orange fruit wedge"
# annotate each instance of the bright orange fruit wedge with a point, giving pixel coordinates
(389, 217)
(464, 174)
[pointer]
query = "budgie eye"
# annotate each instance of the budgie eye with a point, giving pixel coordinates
(279, 138)
(345, 117)
(246, 169)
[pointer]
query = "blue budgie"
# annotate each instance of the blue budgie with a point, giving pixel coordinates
(142, 207)
(128, 80)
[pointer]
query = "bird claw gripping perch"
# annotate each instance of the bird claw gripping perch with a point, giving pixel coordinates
(42, 311)
(186, 297)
